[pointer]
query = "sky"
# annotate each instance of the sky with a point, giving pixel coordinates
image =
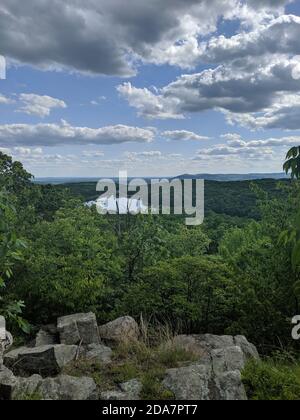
(157, 88)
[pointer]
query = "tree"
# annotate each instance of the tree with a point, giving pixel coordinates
(72, 266)
(12, 175)
(11, 252)
(292, 163)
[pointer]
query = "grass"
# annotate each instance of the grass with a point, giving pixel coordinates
(146, 360)
(273, 379)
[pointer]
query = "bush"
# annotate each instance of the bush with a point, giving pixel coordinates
(269, 380)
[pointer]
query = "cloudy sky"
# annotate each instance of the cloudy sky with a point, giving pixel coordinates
(155, 87)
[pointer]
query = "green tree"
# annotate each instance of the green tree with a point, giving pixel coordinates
(11, 253)
(72, 266)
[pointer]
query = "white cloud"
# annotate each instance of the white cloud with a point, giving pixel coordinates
(153, 154)
(65, 134)
(4, 100)
(110, 37)
(148, 104)
(39, 105)
(183, 135)
(280, 36)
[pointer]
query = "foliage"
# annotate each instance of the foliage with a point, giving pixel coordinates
(71, 266)
(11, 253)
(270, 380)
(194, 291)
(292, 163)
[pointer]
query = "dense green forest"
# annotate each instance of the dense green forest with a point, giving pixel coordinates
(238, 273)
(234, 274)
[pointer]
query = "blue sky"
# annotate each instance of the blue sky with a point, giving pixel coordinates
(195, 86)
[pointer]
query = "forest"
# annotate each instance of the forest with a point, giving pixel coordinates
(238, 273)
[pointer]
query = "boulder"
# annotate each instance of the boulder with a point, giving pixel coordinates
(217, 374)
(113, 395)
(121, 330)
(203, 344)
(61, 388)
(47, 335)
(249, 350)
(132, 389)
(199, 383)
(44, 360)
(7, 383)
(98, 353)
(190, 383)
(227, 359)
(230, 387)
(78, 328)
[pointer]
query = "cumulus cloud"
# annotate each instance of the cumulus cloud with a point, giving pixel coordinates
(152, 154)
(149, 104)
(254, 149)
(65, 134)
(109, 37)
(280, 36)
(4, 100)
(39, 105)
(268, 88)
(183, 135)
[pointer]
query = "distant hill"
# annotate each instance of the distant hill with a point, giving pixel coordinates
(233, 177)
(207, 177)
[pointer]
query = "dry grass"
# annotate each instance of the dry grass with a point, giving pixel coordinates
(146, 360)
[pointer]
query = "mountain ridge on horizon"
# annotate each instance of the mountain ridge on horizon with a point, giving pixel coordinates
(207, 177)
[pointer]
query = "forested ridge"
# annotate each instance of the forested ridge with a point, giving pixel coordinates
(235, 274)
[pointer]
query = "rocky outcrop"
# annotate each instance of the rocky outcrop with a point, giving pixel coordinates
(35, 387)
(130, 390)
(46, 360)
(79, 328)
(122, 330)
(214, 373)
(217, 374)
(97, 353)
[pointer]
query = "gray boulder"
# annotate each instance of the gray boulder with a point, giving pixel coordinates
(203, 344)
(47, 335)
(44, 360)
(121, 330)
(98, 353)
(190, 383)
(78, 328)
(61, 388)
(217, 374)
(227, 360)
(132, 389)
(7, 383)
(113, 395)
(249, 350)
(230, 387)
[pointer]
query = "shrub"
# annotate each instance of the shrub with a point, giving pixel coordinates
(270, 380)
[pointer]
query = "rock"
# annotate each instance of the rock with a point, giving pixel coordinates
(199, 383)
(7, 384)
(122, 330)
(61, 388)
(47, 335)
(217, 374)
(78, 328)
(230, 387)
(249, 350)
(113, 396)
(203, 345)
(44, 360)
(190, 383)
(132, 389)
(98, 353)
(227, 360)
